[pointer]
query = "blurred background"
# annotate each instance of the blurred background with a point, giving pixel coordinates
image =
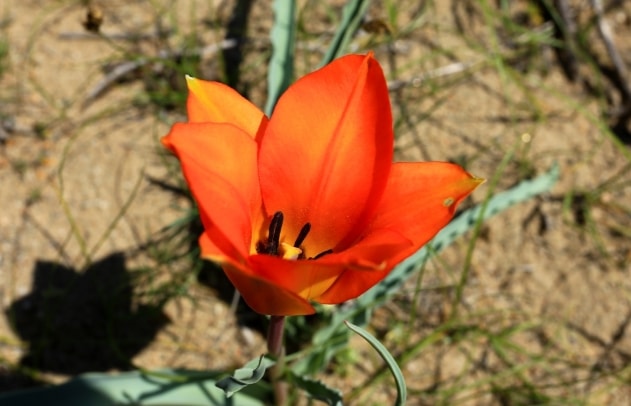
(98, 260)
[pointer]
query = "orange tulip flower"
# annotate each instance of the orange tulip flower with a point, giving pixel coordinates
(307, 206)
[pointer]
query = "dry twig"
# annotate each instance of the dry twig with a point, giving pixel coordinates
(607, 36)
(446, 70)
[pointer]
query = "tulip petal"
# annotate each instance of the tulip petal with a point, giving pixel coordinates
(263, 296)
(327, 151)
(306, 278)
(368, 262)
(420, 199)
(219, 164)
(214, 251)
(214, 102)
(312, 279)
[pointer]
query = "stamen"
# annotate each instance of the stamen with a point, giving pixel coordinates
(261, 248)
(290, 252)
(273, 239)
(302, 234)
(323, 253)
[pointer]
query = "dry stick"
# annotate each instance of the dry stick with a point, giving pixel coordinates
(130, 66)
(566, 15)
(112, 37)
(568, 31)
(607, 36)
(447, 70)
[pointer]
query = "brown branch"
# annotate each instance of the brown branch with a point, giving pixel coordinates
(607, 36)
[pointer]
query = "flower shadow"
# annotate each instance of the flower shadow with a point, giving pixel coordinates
(76, 322)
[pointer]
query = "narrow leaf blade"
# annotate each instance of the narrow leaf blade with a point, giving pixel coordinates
(318, 390)
(352, 16)
(390, 361)
(281, 66)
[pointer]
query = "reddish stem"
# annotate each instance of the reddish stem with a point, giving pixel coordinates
(275, 335)
(275, 349)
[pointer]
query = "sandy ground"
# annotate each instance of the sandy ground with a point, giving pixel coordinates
(79, 204)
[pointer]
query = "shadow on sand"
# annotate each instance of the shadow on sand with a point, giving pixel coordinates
(78, 322)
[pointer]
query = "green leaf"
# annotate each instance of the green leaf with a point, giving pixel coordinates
(281, 66)
(352, 17)
(164, 387)
(402, 391)
(318, 390)
(250, 374)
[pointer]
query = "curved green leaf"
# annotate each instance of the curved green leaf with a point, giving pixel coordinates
(402, 391)
(251, 373)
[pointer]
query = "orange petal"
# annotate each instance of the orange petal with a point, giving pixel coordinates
(327, 151)
(318, 279)
(368, 262)
(421, 198)
(219, 164)
(263, 296)
(306, 278)
(214, 246)
(214, 102)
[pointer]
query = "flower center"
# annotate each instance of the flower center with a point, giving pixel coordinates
(274, 246)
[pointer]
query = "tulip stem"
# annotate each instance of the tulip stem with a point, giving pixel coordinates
(275, 335)
(275, 349)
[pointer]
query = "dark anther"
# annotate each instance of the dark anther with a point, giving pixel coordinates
(273, 239)
(323, 253)
(302, 235)
(261, 248)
